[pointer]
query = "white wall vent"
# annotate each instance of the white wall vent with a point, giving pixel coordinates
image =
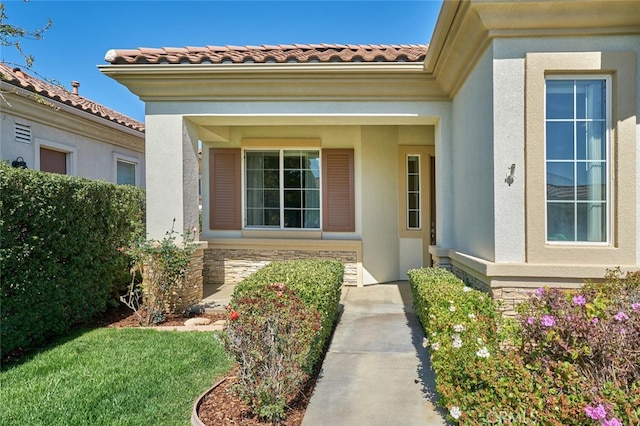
(23, 133)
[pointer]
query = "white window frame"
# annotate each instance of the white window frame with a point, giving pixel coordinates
(119, 157)
(409, 191)
(608, 159)
(69, 150)
(281, 188)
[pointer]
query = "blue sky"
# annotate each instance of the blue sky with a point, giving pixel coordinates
(83, 31)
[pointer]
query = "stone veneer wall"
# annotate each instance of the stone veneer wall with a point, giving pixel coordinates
(509, 297)
(230, 266)
(190, 292)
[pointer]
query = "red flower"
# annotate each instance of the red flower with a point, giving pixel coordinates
(234, 315)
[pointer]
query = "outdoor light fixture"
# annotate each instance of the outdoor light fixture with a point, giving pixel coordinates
(510, 174)
(19, 163)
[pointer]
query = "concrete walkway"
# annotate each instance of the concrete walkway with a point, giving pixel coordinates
(376, 371)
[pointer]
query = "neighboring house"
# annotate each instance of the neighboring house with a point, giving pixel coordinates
(506, 150)
(54, 130)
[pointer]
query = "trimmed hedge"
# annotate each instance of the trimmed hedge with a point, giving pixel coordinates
(59, 251)
(318, 283)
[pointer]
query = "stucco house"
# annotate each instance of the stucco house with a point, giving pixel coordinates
(51, 129)
(506, 149)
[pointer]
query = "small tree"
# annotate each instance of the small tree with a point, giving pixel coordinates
(12, 35)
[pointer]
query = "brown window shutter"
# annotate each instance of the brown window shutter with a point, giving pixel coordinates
(338, 199)
(225, 190)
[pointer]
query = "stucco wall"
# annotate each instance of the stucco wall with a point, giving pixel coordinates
(472, 179)
(94, 159)
(510, 72)
(376, 174)
(379, 204)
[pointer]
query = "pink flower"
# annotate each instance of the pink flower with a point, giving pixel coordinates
(548, 321)
(635, 306)
(620, 316)
(595, 321)
(579, 300)
(612, 422)
(596, 413)
(531, 320)
(539, 291)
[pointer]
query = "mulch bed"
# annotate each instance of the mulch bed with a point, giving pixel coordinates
(122, 317)
(222, 407)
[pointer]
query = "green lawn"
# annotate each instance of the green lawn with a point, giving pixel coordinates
(112, 377)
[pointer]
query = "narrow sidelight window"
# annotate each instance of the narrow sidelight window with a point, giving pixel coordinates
(413, 192)
(577, 160)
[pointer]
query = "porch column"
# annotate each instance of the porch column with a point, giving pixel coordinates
(171, 175)
(444, 181)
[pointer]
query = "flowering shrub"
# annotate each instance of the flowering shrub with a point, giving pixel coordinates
(598, 333)
(569, 359)
(163, 265)
(269, 332)
(318, 283)
(461, 328)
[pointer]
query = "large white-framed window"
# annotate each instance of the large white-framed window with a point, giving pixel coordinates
(125, 169)
(577, 159)
(54, 157)
(282, 188)
(414, 193)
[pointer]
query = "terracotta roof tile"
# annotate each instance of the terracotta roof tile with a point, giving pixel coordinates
(297, 53)
(19, 78)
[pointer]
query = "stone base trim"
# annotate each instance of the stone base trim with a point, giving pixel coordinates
(511, 283)
(229, 262)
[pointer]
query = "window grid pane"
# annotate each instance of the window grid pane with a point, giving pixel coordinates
(413, 192)
(576, 160)
(283, 184)
(262, 182)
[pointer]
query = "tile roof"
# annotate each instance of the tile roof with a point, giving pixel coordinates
(296, 53)
(19, 78)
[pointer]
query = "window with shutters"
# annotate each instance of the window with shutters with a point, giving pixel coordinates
(287, 188)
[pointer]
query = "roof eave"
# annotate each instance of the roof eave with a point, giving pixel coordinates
(249, 67)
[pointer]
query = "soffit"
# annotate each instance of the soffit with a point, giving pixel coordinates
(465, 28)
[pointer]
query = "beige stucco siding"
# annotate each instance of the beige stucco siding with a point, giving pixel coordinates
(523, 74)
(471, 171)
(508, 152)
(379, 204)
(376, 189)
